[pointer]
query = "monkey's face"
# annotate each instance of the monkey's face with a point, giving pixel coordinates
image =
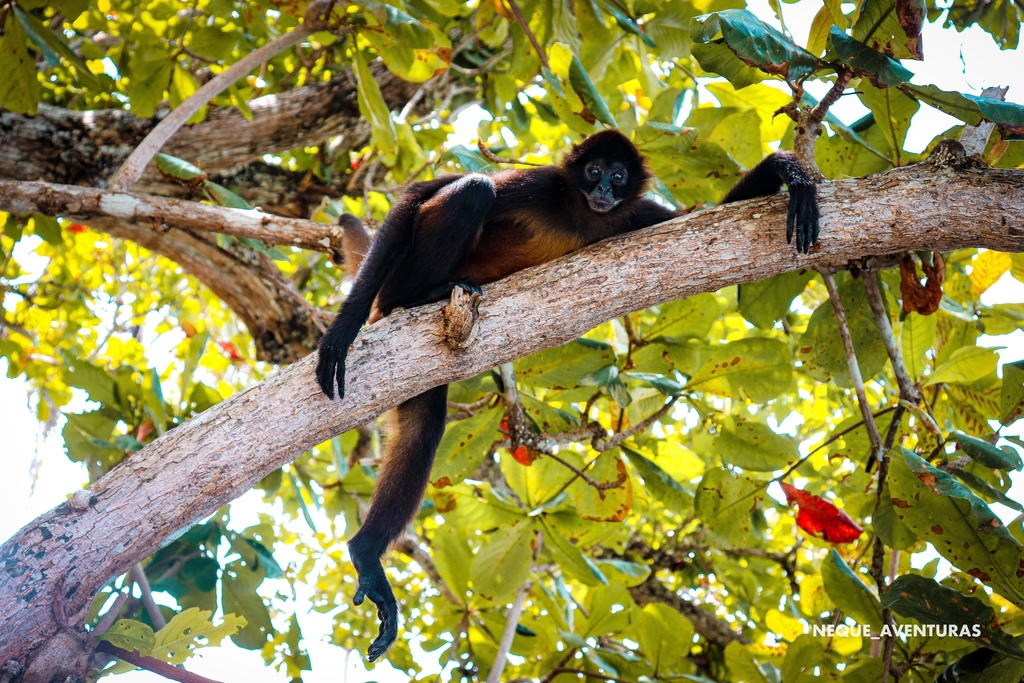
(604, 184)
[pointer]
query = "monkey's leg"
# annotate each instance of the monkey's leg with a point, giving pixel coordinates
(391, 246)
(402, 479)
(767, 178)
(448, 226)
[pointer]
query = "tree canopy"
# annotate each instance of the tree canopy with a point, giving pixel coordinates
(704, 489)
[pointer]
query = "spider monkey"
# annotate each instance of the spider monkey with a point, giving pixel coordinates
(472, 229)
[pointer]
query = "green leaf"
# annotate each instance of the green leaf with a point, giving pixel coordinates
(821, 348)
(571, 559)
(130, 635)
(879, 27)
(755, 42)
(19, 89)
(893, 532)
(765, 302)
(584, 87)
(659, 483)
(628, 574)
(47, 228)
(1011, 397)
(725, 503)
(957, 523)
(372, 106)
(893, 111)
(604, 505)
(664, 636)
(756, 368)
(225, 197)
(604, 618)
(803, 656)
(563, 366)
(689, 318)
(918, 337)
(464, 446)
(176, 641)
(929, 602)
(753, 446)
(971, 109)
(865, 61)
(849, 593)
(717, 58)
(179, 169)
(986, 454)
(503, 563)
(149, 70)
(965, 366)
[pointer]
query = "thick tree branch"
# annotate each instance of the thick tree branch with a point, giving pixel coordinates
(86, 147)
(160, 214)
(64, 556)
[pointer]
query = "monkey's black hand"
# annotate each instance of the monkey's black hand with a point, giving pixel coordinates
(331, 368)
(373, 584)
(802, 219)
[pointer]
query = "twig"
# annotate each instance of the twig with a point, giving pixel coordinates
(851, 363)
(808, 124)
(908, 390)
(153, 664)
(529, 34)
(491, 156)
(110, 616)
(513, 618)
(831, 439)
(601, 486)
(131, 170)
(152, 609)
(614, 441)
(590, 674)
(413, 549)
(975, 138)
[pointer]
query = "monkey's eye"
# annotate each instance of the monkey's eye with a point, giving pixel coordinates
(619, 177)
(593, 172)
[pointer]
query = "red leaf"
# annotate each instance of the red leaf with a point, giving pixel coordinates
(820, 518)
(77, 228)
(523, 456)
(230, 350)
(188, 328)
(144, 431)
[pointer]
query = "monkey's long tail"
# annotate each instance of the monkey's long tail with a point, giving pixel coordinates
(404, 474)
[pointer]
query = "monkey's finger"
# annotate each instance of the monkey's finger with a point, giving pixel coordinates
(340, 376)
(358, 598)
(790, 222)
(325, 374)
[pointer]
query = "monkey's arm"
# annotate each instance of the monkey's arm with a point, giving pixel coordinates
(767, 178)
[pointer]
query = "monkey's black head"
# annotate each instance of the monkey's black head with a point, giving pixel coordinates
(608, 169)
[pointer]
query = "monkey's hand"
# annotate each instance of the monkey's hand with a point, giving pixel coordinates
(802, 219)
(373, 584)
(331, 367)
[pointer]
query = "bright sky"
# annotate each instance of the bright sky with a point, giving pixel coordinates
(967, 62)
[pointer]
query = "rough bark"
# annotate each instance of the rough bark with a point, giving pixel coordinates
(86, 147)
(51, 568)
(160, 215)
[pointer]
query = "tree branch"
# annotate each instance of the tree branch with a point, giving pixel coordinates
(64, 556)
(153, 664)
(131, 170)
(854, 368)
(160, 214)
